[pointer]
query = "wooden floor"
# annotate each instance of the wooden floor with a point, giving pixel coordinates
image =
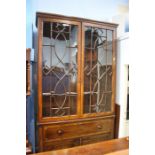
(111, 147)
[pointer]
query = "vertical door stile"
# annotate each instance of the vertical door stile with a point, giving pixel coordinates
(114, 40)
(82, 66)
(40, 29)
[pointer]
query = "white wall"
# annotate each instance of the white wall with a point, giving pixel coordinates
(95, 9)
(28, 24)
(121, 85)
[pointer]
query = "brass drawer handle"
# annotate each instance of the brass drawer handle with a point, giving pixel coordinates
(60, 132)
(99, 126)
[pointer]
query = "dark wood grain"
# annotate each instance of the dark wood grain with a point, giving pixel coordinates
(117, 119)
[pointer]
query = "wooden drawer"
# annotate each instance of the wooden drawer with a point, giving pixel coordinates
(78, 129)
(61, 144)
(96, 138)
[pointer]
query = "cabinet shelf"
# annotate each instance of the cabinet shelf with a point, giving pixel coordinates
(72, 93)
(62, 94)
(88, 93)
(66, 46)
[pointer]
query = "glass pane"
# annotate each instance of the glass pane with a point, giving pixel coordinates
(97, 70)
(59, 68)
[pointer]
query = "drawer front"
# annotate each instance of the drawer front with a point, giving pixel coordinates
(61, 144)
(73, 130)
(96, 138)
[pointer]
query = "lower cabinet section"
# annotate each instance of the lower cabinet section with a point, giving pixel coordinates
(61, 144)
(96, 138)
(65, 135)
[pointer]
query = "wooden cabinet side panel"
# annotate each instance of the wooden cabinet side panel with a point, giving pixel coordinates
(40, 139)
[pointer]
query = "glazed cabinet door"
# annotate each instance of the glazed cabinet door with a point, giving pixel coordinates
(98, 69)
(58, 69)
